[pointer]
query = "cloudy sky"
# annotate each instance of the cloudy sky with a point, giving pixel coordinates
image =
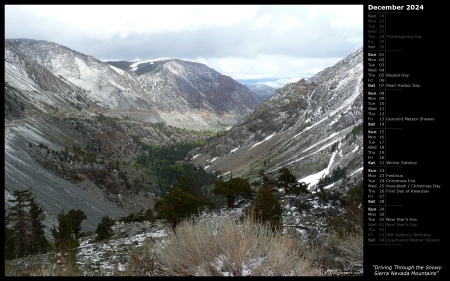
(241, 41)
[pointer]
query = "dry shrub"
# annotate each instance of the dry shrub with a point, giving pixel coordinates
(30, 267)
(230, 248)
(342, 254)
(141, 262)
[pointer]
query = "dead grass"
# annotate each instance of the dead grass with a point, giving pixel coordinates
(30, 267)
(232, 248)
(141, 262)
(342, 254)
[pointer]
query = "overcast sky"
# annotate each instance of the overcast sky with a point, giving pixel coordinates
(241, 41)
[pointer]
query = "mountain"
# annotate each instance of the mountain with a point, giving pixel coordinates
(313, 127)
(180, 93)
(177, 85)
(107, 87)
(262, 91)
(74, 126)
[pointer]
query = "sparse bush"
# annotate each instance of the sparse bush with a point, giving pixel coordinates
(341, 253)
(351, 220)
(139, 217)
(233, 247)
(141, 262)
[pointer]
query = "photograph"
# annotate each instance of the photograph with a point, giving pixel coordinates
(213, 140)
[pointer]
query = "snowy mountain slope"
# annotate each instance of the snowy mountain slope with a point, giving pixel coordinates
(261, 90)
(110, 87)
(53, 192)
(181, 85)
(187, 92)
(38, 85)
(180, 93)
(311, 127)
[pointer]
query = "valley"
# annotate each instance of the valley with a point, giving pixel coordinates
(117, 138)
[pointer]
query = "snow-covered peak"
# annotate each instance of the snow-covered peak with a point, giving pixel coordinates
(134, 66)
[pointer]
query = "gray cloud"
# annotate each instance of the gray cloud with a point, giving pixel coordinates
(316, 36)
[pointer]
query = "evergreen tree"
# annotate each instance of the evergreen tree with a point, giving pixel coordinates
(352, 219)
(266, 208)
(265, 180)
(20, 220)
(322, 192)
(25, 235)
(287, 180)
(76, 217)
(64, 237)
(10, 245)
(177, 205)
(232, 188)
(104, 228)
(39, 243)
(185, 184)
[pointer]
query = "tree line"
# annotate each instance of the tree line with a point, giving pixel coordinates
(183, 200)
(24, 228)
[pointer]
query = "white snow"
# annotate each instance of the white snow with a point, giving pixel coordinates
(134, 65)
(213, 159)
(234, 149)
(355, 94)
(266, 139)
(355, 149)
(356, 171)
(118, 70)
(331, 136)
(196, 156)
(314, 178)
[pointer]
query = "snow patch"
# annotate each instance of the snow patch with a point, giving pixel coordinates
(357, 171)
(314, 178)
(346, 103)
(233, 150)
(118, 70)
(266, 139)
(134, 65)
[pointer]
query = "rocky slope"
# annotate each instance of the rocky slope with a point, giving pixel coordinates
(311, 127)
(177, 85)
(262, 91)
(75, 125)
(72, 120)
(180, 93)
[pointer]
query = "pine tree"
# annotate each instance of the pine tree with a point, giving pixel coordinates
(287, 180)
(265, 180)
(10, 245)
(20, 220)
(266, 208)
(320, 185)
(185, 184)
(232, 188)
(64, 236)
(40, 243)
(26, 233)
(76, 217)
(104, 230)
(177, 205)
